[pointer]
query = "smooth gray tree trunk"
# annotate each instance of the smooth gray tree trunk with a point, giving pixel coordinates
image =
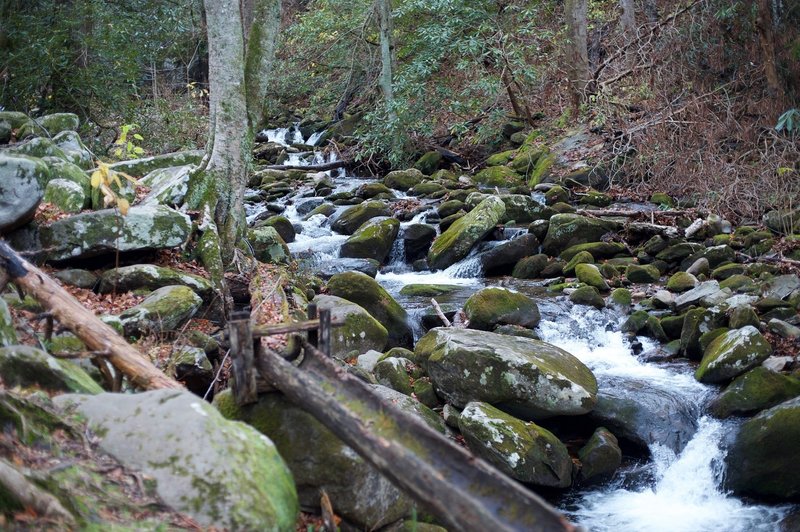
(386, 25)
(261, 26)
(575, 13)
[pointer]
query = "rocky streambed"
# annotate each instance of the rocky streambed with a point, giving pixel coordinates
(637, 369)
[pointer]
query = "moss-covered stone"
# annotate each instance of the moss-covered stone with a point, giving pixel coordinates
(65, 195)
(520, 208)
(354, 217)
(268, 246)
(582, 257)
(142, 167)
(590, 275)
(681, 282)
(530, 267)
(429, 162)
(428, 189)
(568, 230)
(27, 366)
(51, 125)
(660, 198)
(739, 283)
(524, 451)
(732, 354)
(642, 274)
(151, 277)
(166, 309)
(22, 182)
(528, 378)
(456, 242)
(428, 290)
(403, 179)
(600, 457)
(70, 143)
(596, 199)
(599, 250)
(498, 176)
(758, 463)
(395, 373)
(696, 323)
(365, 291)
(373, 240)
(754, 391)
(743, 315)
(587, 295)
(556, 194)
(60, 169)
(542, 169)
(449, 207)
(490, 307)
(501, 158)
(359, 331)
(620, 298)
(91, 234)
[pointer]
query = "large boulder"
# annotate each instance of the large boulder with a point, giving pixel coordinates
(166, 309)
(529, 378)
(64, 194)
(359, 330)
(91, 234)
(754, 391)
(520, 208)
(365, 291)
(167, 185)
(22, 182)
(22, 365)
(568, 230)
(644, 414)
(373, 240)
(319, 460)
(403, 179)
(223, 473)
(417, 240)
(732, 354)
(70, 143)
(60, 169)
(354, 217)
(761, 460)
(50, 125)
(151, 277)
(498, 176)
(524, 451)
(142, 167)
(491, 307)
(455, 243)
(268, 246)
(502, 257)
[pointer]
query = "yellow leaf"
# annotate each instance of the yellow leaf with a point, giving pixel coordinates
(129, 178)
(117, 181)
(123, 205)
(97, 177)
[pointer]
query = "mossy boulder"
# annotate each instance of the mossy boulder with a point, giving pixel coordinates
(22, 365)
(90, 234)
(596, 199)
(66, 195)
(590, 274)
(395, 373)
(8, 334)
(360, 331)
(60, 169)
(222, 473)
(429, 162)
(51, 125)
(681, 282)
(760, 458)
(373, 240)
(501, 158)
(599, 250)
(373, 190)
(498, 176)
(587, 295)
(525, 161)
(556, 194)
(142, 167)
(524, 451)
(491, 307)
(642, 274)
(449, 207)
(166, 309)
(528, 378)
(282, 225)
(520, 208)
(354, 217)
(732, 354)
(542, 169)
(696, 323)
(22, 182)
(39, 147)
(457, 241)
(151, 277)
(568, 230)
(530, 267)
(357, 490)
(428, 290)
(268, 246)
(70, 143)
(620, 299)
(600, 457)
(403, 179)
(660, 198)
(365, 291)
(754, 391)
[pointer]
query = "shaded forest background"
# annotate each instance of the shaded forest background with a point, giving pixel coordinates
(698, 99)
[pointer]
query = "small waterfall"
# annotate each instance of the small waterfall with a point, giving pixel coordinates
(396, 262)
(314, 138)
(469, 268)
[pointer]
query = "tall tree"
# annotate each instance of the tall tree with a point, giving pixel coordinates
(575, 13)
(239, 65)
(386, 25)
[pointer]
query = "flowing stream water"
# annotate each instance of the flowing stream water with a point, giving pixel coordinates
(669, 492)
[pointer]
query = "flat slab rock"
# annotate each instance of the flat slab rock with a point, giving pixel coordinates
(223, 473)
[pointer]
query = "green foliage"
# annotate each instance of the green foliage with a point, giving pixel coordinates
(125, 147)
(789, 121)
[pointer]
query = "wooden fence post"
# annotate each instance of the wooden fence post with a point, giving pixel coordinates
(325, 331)
(240, 334)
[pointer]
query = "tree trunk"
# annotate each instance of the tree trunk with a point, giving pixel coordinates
(766, 39)
(384, 9)
(261, 35)
(627, 22)
(575, 13)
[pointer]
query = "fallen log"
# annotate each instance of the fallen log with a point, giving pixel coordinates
(465, 492)
(324, 167)
(71, 314)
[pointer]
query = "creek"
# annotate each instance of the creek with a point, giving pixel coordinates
(665, 491)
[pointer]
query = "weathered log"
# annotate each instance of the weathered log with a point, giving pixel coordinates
(324, 167)
(29, 495)
(465, 492)
(439, 313)
(71, 314)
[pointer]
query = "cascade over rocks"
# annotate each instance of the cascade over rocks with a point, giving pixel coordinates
(528, 378)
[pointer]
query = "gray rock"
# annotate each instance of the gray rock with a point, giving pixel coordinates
(360, 332)
(79, 278)
(90, 234)
(529, 378)
(780, 287)
(786, 330)
(732, 354)
(166, 309)
(142, 167)
(696, 294)
(333, 266)
(268, 246)
(8, 334)
(222, 473)
(600, 457)
(503, 257)
(151, 277)
(22, 365)
(66, 195)
(168, 186)
(72, 146)
(524, 451)
(22, 181)
(643, 414)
